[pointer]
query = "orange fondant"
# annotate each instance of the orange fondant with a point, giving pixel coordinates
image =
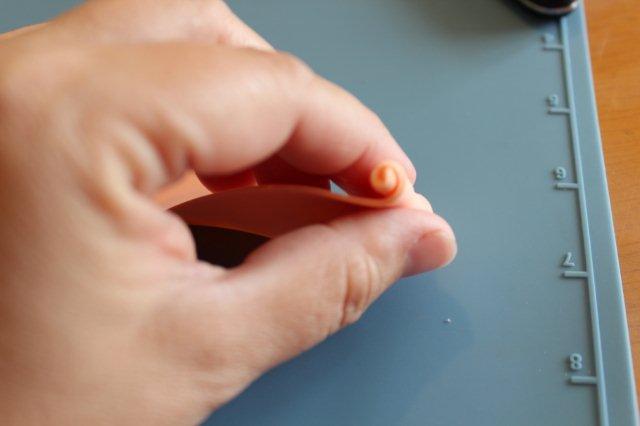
(271, 210)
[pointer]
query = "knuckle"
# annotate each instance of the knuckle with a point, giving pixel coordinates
(29, 79)
(362, 278)
(209, 10)
(210, 5)
(358, 278)
(14, 90)
(293, 67)
(219, 7)
(43, 87)
(211, 18)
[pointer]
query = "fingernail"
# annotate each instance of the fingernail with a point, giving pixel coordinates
(432, 251)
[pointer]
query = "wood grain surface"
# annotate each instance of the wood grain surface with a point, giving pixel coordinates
(614, 33)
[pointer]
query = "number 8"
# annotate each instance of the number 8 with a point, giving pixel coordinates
(575, 362)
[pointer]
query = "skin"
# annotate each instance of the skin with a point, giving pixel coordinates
(106, 315)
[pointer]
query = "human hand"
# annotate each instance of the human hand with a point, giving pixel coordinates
(106, 316)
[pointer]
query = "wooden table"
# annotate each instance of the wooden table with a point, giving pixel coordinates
(614, 32)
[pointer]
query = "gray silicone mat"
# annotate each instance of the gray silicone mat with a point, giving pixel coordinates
(496, 108)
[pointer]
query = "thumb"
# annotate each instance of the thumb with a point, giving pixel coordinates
(298, 289)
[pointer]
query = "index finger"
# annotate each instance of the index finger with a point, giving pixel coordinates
(335, 136)
(338, 136)
(225, 110)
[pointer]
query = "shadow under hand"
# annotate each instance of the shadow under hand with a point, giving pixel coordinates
(224, 247)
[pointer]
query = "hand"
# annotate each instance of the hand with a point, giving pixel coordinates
(106, 316)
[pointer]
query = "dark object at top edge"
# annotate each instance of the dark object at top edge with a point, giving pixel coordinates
(551, 7)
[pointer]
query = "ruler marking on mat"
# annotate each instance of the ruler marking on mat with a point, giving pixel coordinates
(575, 360)
(583, 380)
(575, 274)
(567, 185)
(550, 43)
